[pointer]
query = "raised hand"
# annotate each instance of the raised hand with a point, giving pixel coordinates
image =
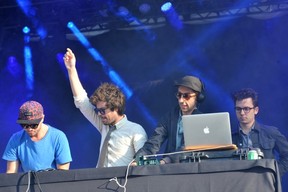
(69, 59)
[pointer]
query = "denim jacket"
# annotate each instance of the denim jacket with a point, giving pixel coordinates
(270, 141)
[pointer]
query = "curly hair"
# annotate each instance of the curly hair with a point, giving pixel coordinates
(110, 94)
(244, 94)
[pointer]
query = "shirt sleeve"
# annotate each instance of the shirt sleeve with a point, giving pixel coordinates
(282, 148)
(140, 138)
(10, 153)
(62, 154)
(87, 109)
(153, 144)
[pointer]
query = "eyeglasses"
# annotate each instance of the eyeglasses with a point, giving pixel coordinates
(32, 126)
(102, 111)
(185, 95)
(245, 109)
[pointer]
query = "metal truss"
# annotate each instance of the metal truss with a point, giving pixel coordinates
(97, 16)
(191, 13)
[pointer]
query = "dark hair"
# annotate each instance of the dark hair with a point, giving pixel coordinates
(110, 94)
(244, 94)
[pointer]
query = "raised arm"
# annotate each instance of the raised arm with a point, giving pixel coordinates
(70, 63)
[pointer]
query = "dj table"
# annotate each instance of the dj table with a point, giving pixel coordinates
(206, 176)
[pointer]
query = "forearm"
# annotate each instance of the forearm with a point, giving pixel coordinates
(165, 160)
(12, 166)
(75, 83)
(153, 144)
(65, 166)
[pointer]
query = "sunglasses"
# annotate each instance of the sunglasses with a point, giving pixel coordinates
(185, 95)
(102, 111)
(32, 126)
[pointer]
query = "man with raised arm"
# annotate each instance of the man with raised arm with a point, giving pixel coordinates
(120, 138)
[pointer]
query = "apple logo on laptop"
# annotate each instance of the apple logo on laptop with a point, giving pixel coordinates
(206, 130)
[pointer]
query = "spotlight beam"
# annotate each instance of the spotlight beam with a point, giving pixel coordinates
(30, 12)
(96, 55)
(29, 72)
(114, 76)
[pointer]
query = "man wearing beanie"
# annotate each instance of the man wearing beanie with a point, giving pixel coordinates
(37, 146)
(190, 92)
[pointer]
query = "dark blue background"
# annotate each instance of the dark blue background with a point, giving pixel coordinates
(226, 55)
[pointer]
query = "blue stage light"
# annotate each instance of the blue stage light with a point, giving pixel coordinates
(26, 30)
(114, 76)
(97, 56)
(29, 68)
(31, 13)
(119, 81)
(166, 6)
(78, 34)
(144, 8)
(42, 32)
(171, 15)
(13, 66)
(70, 24)
(123, 11)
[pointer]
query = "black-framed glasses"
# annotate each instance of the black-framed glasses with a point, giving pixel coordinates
(245, 109)
(186, 96)
(32, 126)
(102, 111)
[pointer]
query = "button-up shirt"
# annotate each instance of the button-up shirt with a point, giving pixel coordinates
(247, 142)
(124, 142)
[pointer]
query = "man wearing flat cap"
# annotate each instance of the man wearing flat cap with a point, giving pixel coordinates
(190, 92)
(37, 146)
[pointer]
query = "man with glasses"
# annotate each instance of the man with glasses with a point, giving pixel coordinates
(190, 92)
(252, 134)
(120, 138)
(38, 146)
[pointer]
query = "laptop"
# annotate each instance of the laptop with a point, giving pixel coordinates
(207, 131)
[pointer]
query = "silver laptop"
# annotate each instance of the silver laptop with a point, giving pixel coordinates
(207, 131)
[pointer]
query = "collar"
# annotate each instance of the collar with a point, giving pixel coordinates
(122, 122)
(251, 129)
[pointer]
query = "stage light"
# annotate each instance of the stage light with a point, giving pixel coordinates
(144, 8)
(13, 66)
(97, 56)
(171, 15)
(78, 34)
(117, 79)
(26, 30)
(166, 6)
(122, 11)
(70, 24)
(31, 13)
(29, 68)
(42, 32)
(29, 74)
(113, 75)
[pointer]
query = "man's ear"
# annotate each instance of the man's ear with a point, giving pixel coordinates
(256, 110)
